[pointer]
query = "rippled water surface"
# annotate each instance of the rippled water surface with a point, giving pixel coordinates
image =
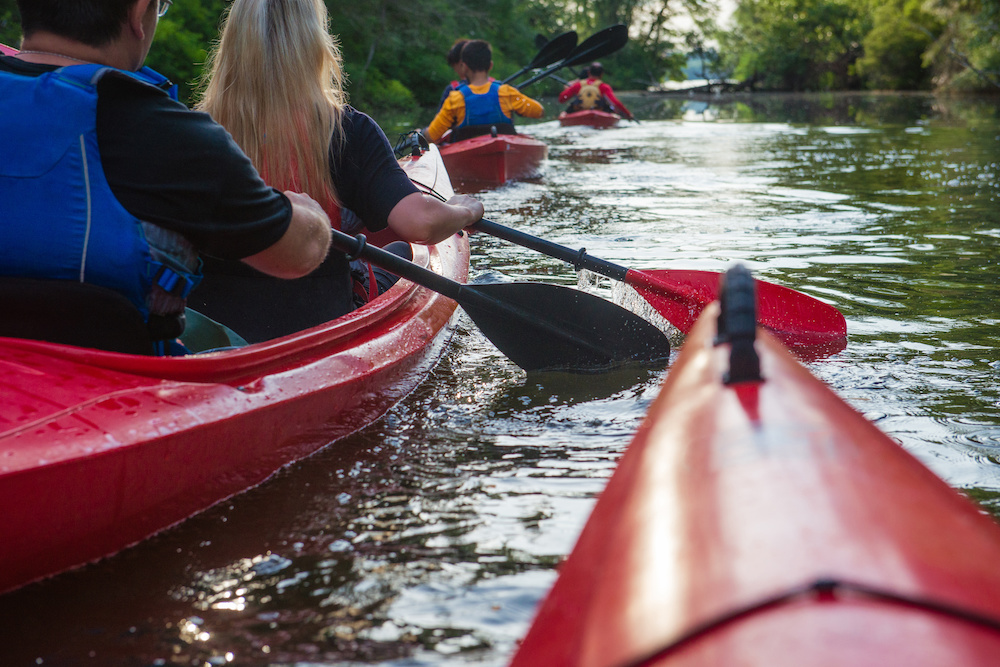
(429, 537)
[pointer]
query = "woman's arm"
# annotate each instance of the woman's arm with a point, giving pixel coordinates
(420, 218)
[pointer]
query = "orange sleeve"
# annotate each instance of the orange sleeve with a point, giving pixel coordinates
(452, 113)
(513, 101)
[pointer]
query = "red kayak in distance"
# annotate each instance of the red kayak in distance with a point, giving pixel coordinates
(589, 117)
(490, 161)
(765, 523)
(99, 450)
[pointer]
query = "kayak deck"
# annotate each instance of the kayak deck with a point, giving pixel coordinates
(99, 450)
(766, 522)
(589, 117)
(488, 161)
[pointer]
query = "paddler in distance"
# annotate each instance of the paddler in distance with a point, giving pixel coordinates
(590, 92)
(482, 103)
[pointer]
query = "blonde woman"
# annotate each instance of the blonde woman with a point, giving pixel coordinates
(276, 83)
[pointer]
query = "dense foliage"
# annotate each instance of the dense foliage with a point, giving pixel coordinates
(394, 51)
(888, 44)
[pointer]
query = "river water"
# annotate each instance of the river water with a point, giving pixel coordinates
(429, 537)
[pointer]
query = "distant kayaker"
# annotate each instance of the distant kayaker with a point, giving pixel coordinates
(590, 92)
(454, 58)
(276, 83)
(107, 179)
(481, 103)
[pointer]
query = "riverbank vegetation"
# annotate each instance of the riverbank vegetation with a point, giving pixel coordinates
(394, 51)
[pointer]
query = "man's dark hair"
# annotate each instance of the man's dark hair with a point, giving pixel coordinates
(478, 55)
(92, 22)
(455, 52)
(596, 70)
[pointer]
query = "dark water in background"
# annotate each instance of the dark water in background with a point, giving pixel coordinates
(429, 537)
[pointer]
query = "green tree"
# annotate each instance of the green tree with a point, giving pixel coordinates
(183, 38)
(894, 47)
(657, 48)
(795, 44)
(10, 26)
(966, 53)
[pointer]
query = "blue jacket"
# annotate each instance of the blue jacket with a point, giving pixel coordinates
(61, 220)
(483, 109)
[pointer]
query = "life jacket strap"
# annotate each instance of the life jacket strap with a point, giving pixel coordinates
(172, 282)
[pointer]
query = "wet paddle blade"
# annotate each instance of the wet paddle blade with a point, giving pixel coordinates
(557, 49)
(799, 320)
(538, 326)
(543, 327)
(596, 46)
(551, 52)
(680, 295)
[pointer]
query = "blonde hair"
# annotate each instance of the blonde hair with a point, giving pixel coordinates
(275, 82)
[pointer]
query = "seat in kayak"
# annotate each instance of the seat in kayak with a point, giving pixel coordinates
(72, 313)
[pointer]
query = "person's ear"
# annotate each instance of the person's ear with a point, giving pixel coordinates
(136, 20)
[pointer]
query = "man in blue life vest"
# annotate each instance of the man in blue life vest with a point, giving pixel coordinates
(107, 180)
(481, 103)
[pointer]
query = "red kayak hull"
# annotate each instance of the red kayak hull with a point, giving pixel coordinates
(100, 450)
(769, 523)
(589, 117)
(487, 161)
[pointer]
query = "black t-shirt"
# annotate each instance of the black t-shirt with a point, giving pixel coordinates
(366, 175)
(369, 182)
(179, 169)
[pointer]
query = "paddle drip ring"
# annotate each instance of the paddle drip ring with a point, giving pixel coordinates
(360, 250)
(578, 262)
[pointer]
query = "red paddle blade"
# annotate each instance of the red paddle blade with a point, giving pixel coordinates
(797, 319)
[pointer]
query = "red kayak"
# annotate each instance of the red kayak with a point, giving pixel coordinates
(589, 117)
(489, 161)
(99, 450)
(765, 522)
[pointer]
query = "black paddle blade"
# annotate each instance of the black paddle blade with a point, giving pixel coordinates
(598, 45)
(540, 40)
(543, 327)
(538, 326)
(557, 49)
(549, 52)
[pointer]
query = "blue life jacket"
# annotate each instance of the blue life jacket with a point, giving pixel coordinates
(61, 220)
(483, 109)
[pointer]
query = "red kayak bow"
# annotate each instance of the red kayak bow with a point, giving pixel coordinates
(759, 520)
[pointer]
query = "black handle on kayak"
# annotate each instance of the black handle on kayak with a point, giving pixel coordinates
(578, 258)
(537, 326)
